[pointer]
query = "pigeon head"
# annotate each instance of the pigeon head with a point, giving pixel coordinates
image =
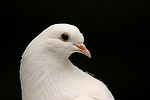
(63, 39)
(46, 73)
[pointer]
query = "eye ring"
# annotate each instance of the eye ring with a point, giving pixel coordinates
(65, 36)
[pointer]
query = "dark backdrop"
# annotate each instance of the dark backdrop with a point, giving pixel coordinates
(116, 32)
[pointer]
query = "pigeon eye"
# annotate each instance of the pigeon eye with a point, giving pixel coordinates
(64, 37)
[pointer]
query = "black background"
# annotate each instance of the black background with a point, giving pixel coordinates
(116, 33)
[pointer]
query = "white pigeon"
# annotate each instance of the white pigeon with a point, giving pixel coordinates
(47, 74)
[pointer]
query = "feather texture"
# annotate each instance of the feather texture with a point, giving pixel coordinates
(47, 74)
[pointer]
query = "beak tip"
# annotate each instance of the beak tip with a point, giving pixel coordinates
(90, 56)
(87, 53)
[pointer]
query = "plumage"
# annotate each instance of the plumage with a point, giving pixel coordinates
(47, 74)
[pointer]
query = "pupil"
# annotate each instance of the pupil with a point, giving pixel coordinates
(65, 37)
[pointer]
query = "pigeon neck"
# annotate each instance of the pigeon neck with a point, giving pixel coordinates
(38, 72)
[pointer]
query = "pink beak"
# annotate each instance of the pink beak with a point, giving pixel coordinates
(83, 49)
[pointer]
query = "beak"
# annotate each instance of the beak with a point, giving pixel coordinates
(83, 49)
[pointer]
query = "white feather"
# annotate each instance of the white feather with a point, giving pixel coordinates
(47, 74)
